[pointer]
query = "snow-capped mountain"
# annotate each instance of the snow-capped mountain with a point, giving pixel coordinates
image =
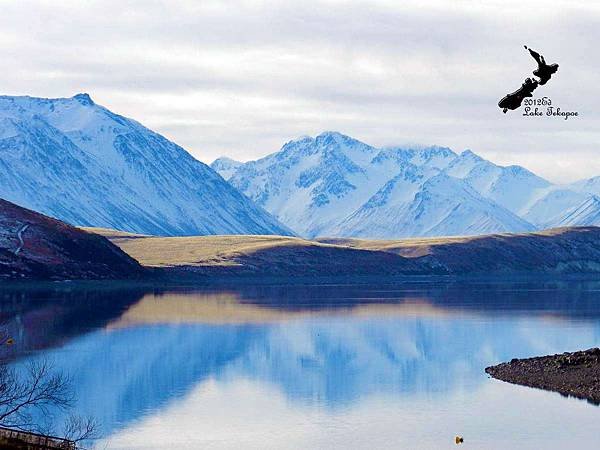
(79, 162)
(312, 183)
(335, 185)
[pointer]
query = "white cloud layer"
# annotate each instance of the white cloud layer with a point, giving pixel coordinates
(239, 78)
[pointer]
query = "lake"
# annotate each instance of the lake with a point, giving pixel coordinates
(371, 366)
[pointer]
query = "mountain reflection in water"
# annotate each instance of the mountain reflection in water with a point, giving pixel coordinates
(136, 353)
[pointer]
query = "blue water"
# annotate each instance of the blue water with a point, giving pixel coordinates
(324, 366)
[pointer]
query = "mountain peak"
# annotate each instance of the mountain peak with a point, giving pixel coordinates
(334, 136)
(333, 139)
(518, 170)
(304, 138)
(84, 99)
(468, 153)
(225, 160)
(225, 166)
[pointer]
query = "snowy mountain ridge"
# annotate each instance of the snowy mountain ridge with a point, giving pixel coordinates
(334, 185)
(74, 160)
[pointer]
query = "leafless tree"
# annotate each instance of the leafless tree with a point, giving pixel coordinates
(38, 387)
(80, 429)
(36, 391)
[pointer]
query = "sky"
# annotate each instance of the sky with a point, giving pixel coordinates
(241, 78)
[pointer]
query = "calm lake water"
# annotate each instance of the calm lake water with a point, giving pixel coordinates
(327, 366)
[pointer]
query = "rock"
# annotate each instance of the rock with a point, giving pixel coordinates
(574, 374)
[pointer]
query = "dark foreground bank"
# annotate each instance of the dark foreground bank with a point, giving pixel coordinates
(574, 374)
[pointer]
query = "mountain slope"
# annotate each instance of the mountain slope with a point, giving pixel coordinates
(39, 247)
(77, 161)
(590, 185)
(548, 210)
(587, 213)
(441, 205)
(512, 187)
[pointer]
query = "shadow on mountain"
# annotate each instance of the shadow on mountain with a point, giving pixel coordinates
(312, 260)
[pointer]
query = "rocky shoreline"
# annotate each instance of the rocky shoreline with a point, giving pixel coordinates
(574, 374)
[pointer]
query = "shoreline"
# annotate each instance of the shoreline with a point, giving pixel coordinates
(571, 374)
(173, 277)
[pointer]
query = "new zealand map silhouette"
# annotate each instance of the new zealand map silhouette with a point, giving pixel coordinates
(544, 72)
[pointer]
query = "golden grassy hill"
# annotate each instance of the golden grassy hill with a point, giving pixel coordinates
(256, 255)
(564, 250)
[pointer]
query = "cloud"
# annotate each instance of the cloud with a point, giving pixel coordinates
(243, 77)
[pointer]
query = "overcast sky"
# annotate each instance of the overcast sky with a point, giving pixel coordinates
(240, 78)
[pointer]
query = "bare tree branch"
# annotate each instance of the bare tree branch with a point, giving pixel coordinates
(79, 429)
(39, 389)
(29, 397)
